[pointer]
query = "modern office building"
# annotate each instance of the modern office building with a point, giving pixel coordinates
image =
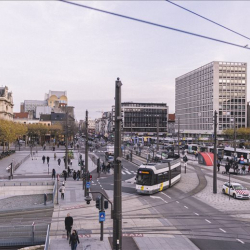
(31, 105)
(217, 86)
(141, 118)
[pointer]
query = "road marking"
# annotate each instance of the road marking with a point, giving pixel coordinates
(186, 207)
(94, 184)
(208, 221)
(100, 185)
(123, 173)
(177, 202)
(128, 172)
(133, 172)
(196, 214)
(241, 241)
(157, 197)
(167, 195)
(222, 230)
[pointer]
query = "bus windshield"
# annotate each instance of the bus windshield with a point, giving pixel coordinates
(143, 179)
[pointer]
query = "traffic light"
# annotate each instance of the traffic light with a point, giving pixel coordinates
(106, 204)
(98, 202)
(90, 177)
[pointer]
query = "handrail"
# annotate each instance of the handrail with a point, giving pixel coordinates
(46, 245)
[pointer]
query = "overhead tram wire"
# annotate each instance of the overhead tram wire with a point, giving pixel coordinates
(155, 24)
(209, 20)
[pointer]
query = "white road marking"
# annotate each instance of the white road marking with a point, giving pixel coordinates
(128, 172)
(157, 197)
(241, 241)
(222, 230)
(94, 184)
(100, 185)
(208, 221)
(123, 173)
(133, 172)
(196, 214)
(177, 202)
(186, 207)
(166, 195)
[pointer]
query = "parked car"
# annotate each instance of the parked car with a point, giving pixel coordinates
(236, 190)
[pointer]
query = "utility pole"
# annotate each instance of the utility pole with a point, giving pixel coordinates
(178, 135)
(117, 219)
(66, 141)
(215, 154)
(86, 190)
(131, 131)
(157, 123)
(234, 136)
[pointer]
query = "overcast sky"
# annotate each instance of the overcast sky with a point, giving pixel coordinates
(50, 45)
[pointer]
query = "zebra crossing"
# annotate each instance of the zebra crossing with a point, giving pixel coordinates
(125, 172)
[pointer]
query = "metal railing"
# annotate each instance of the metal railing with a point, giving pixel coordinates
(27, 183)
(23, 235)
(46, 245)
(21, 162)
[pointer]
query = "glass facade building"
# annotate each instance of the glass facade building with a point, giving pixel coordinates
(220, 86)
(142, 118)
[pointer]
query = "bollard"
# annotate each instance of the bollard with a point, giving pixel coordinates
(45, 199)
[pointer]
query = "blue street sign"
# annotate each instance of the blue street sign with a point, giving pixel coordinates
(87, 184)
(101, 216)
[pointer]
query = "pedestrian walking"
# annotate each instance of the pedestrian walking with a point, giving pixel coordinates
(68, 224)
(59, 161)
(43, 158)
(74, 175)
(54, 156)
(62, 191)
(78, 175)
(65, 174)
(73, 240)
(218, 166)
(48, 159)
(44, 146)
(69, 171)
(53, 173)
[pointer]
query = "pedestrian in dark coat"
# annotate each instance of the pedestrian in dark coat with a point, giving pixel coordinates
(47, 159)
(68, 224)
(43, 158)
(59, 161)
(53, 173)
(218, 166)
(65, 175)
(74, 175)
(78, 175)
(73, 240)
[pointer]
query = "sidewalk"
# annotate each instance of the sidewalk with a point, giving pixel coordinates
(86, 222)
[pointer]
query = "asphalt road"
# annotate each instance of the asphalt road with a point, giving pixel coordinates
(207, 227)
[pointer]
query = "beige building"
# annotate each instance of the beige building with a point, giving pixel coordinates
(56, 98)
(6, 104)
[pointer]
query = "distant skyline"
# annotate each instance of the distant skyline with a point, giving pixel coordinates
(50, 45)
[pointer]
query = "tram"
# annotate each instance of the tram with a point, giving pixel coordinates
(155, 177)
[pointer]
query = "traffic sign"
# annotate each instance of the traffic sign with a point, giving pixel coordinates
(87, 184)
(101, 216)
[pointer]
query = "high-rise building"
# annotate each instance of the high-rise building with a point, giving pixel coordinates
(220, 86)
